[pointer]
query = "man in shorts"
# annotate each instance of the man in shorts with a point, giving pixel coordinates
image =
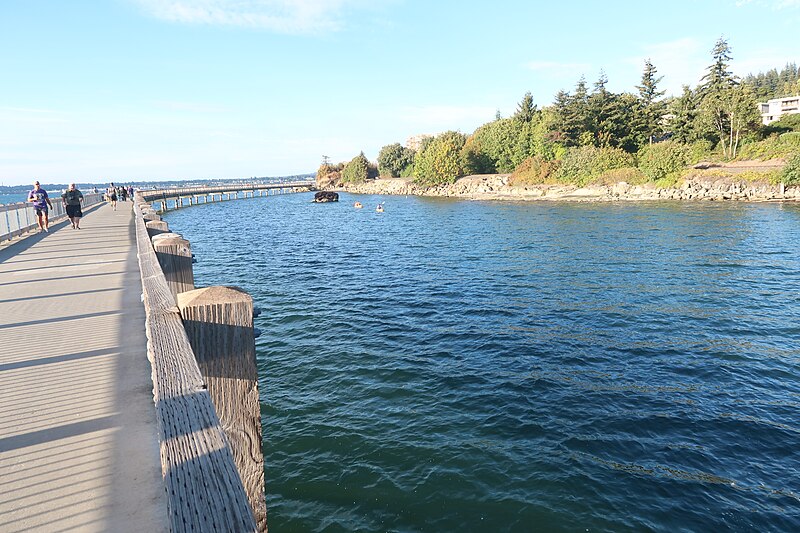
(73, 198)
(40, 202)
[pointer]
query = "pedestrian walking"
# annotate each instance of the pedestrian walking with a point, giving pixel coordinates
(73, 198)
(40, 202)
(112, 196)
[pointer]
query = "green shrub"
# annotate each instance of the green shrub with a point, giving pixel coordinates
(440, 162)
(791, 138)
(475, 158)
(791, 172)
(775, 146)
(357, 170)
(701, 150)
(670, 181)
(535, 170)
(407, 172)
(785, 124)
(586, 163)
(659, 160)
(772, 177)
(629, 175)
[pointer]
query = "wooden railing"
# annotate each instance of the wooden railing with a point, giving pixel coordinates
(162, 195)
(19, 218)
(201, 346)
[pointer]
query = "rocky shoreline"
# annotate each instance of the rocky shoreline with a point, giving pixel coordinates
(496, 187)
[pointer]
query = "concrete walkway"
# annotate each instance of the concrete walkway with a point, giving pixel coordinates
(78, 445)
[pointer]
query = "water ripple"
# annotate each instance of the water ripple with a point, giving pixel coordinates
(449, 366)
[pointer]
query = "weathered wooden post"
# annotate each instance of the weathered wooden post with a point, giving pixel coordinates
(156, 227)
(219, 325)
(174, 254)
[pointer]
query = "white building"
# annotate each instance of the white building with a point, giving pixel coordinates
(773, 109)
(415, 141)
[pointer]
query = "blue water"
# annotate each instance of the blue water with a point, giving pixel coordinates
(477, 366)
(12, 198)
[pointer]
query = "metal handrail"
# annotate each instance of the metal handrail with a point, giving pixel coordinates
(19, 218)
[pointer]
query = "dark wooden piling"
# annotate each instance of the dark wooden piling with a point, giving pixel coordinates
(156, 227)
(174, 254)
(219, 324)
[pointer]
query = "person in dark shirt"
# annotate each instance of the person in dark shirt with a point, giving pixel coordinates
(73, 198)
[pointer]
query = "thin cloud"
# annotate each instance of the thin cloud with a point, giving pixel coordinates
(282, 16)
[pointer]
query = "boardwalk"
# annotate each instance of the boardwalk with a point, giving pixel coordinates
(78, 445)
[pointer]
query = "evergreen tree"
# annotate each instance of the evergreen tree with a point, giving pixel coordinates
(573, 118)
(719, 77)
(526, 109)
(651, 108)
(682, 112)
(600, 111)
(774, 83)
(357, 170)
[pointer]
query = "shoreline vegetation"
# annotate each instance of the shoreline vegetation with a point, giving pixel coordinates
(594, 144)
(699, 186)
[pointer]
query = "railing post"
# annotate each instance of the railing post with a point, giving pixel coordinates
(219, 325)
(175, 257)
(156, 227)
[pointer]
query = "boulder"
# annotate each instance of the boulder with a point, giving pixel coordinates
(326, 196)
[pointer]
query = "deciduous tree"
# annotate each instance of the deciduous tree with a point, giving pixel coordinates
(440, 161)
(393, 159)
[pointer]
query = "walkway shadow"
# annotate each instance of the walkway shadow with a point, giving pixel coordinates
(24, 242)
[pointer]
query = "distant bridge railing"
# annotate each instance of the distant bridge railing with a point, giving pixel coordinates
(194, 195)
(19, 218)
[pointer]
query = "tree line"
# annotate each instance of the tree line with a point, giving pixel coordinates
(592, 134)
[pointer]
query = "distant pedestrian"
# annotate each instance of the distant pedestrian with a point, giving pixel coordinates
(73, 198)
(112, 196)
(123, 193)
(130, 191)
(40, 202)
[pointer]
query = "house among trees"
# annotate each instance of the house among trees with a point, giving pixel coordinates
(415, 141)
(772, 110)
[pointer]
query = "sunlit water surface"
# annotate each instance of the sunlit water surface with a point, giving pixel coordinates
(470, 366)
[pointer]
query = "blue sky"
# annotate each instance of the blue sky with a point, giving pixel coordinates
(102, 90)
